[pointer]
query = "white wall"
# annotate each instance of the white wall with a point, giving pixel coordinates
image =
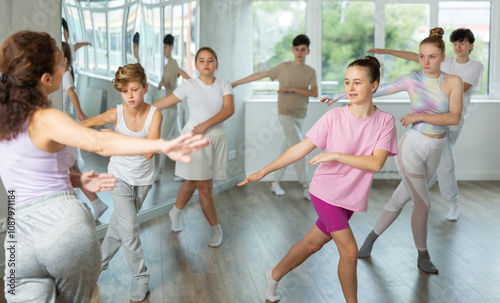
(476, 150)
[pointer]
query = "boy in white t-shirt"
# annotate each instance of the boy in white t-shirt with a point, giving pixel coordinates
(471, 72)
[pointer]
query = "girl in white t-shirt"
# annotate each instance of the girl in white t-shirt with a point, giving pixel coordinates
(210, 101)
(69, 95)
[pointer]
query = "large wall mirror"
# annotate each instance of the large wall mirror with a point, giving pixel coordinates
(120, 32)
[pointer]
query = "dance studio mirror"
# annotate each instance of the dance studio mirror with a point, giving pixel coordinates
(112, 28)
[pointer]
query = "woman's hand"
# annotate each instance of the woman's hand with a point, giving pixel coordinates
(97, 182)
(179, 148)
(253, 177)
(323, 157)
(409, 119)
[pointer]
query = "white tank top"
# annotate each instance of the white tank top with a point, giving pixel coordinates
(135, 170)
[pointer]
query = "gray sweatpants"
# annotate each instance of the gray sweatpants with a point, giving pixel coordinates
(292, 127)
(54, 254)
(123, 229)
(169, 130)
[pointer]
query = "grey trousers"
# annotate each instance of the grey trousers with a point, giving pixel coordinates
(123, 229)
(54, 254)
(292, 127)
(170, 129)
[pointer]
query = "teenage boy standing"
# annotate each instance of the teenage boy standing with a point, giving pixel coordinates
(297, 82)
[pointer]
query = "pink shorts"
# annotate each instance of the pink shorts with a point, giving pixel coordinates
(331, 217)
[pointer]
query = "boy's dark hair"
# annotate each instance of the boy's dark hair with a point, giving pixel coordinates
(301, 39)
(135, 39)
(462, 34)
(169, 39)
(65, 24)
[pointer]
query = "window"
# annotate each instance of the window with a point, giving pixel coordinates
(476, 17)
(275, 24)
(115, 19)
(405, 26)
(347, 33)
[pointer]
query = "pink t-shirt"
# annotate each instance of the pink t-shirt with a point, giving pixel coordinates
(340, 131)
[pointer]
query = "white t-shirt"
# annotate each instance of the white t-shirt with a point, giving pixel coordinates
(67, 83)
(470, 72)
(204, 101)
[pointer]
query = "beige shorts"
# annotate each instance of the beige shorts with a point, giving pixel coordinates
(208, 163)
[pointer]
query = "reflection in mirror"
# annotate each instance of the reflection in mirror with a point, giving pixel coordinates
(111, 27)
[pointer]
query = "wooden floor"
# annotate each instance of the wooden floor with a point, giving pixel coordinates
(260, 227)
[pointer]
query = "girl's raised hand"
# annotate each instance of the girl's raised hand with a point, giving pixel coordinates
(323, 157)
(253, 177)
(179, 148)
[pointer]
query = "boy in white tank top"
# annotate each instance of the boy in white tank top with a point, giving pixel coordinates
(135, 174)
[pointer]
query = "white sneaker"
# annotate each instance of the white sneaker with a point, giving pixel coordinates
(307, 196)
(276, 189)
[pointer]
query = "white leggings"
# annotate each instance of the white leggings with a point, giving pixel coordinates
(418, 159)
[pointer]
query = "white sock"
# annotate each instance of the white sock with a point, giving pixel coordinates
(306, 194)
(216, 239)
(99, 208)
(271, 287)
(454, 211)
(276, 189)
(140, 292)
(174, 217)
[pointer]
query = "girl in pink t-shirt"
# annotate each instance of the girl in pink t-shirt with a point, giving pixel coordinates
(357, 138)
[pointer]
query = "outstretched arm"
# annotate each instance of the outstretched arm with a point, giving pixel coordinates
(373, 162)
(226, 112)
(80, 44)
(251, 78)
(51, 130)
(76, 104)
(313, 92)
(154, 130)
(108, 117)
(293, 154)
(166, 101)
(411, 56)
(184, 74)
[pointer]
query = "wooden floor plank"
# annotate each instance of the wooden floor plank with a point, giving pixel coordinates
(259, 229)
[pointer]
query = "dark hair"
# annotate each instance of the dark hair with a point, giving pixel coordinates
(65, 24)
(372, 65)
(66, 49)
(169, 39)
(436, 38)
(127, 74)
(301, 39)
(135, 39)
(24, 57)
(208, 49)
(462, 34)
